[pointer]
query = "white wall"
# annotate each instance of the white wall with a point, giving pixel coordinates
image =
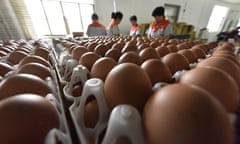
(195, 12)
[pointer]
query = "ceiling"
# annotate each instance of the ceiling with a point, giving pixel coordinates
(232, 1)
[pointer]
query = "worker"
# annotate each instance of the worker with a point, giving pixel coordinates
(113, 28)
(160, 27)
(136, 28)
(96, 28)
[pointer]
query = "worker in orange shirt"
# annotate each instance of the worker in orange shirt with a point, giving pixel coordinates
(113, 28)
(160, 27)
(96, 28)
(136, 28)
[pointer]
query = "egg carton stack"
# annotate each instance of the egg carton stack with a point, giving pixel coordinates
(31, 106)
(142, 90)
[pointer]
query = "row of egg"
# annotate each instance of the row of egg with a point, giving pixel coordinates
(29, 106)
(191, 106)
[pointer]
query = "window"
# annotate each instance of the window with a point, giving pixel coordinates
(238, 25)
(60, 17)
(217, 18)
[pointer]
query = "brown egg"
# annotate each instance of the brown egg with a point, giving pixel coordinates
(182, 46)
(157, 71)
(34, 59)
(101, 49)
(212, 45)
(218, 83)
(3, 53)
(143, 46)
(189, 55)
(154, 44)
(92, 46)
(118, 46)
(230, 57)
(220, 52)
(78, 52)
(88, 59)
(26, 119)
(172, 48)
(15, 57)
(23, 83)
(148, 53)
(127, 84)
(176, 62)
(226, 47)
(200, 53)
(91, 113)
(42, 52)
(4, 68)
(129, 48)
(7, 50)
(162, 51)
(77, 90)
(23, 50)
(130, 57)
(102, 67)
(114, 54)
(184, 114)
(223, 64)
(35, 69)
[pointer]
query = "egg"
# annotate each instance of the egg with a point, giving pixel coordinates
(223, 64)
(42, 52)
(4, 68)
(88, 59)
(148, 53)
(114, 54)
(154, 44)
(36, 69)
(217, 82)
(26, 119)
(230, 57)
(129, 48)
(101, 49)
(23, 83)
(162, 51)
(23, 50)
(212, 45)
(78, 52)
(130, 57)
(34, 59)
(191, 57)
(102, 67)
(176, 62)
(226, 47)
(143, 46)
(172, 48)
(157, 71)
(118, 46)
(2, 53)
(15, 57)
(184, 114)
(7, 50)
(182, 46)
(127, 84)
(92, 46)
(91, 113)
(200, 53)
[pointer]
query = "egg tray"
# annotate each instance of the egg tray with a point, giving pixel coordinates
(94, 87)
(55, 135)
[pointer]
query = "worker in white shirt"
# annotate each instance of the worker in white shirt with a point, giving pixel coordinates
(160, 27)
(135, 28)
(113, 28)
(96, 28)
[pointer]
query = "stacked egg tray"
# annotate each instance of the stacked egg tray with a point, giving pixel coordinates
(90, 73)
(26, 73)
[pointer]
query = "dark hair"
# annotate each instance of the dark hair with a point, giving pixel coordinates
(158, 11)
(94, 16)
(116, 15)
(133, 18)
